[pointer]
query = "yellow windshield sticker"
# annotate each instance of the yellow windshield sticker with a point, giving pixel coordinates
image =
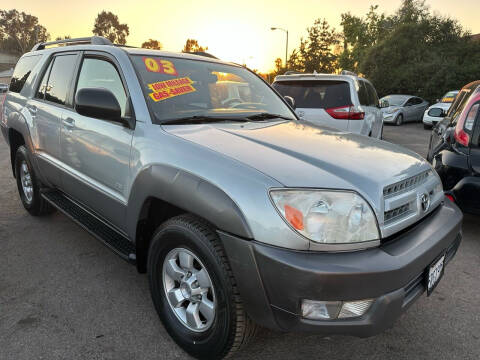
(167, 89)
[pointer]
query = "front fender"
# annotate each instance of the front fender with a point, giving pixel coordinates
(188, 192)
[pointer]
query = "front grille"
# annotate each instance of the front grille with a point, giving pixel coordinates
(405, 185)
(397, 213)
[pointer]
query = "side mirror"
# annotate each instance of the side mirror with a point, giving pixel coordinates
(290, 101)
(384, 104)
(436, 112)
(98, 103)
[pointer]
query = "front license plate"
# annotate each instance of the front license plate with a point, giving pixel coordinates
(435, 273)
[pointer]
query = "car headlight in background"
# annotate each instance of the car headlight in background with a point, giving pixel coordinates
(391, 111)
(326, 216)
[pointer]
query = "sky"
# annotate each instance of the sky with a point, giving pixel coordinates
(232, 30)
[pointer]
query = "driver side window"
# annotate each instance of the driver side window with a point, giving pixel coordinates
(98, 73)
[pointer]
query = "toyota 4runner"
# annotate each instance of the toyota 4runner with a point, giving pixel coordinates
(239, 213)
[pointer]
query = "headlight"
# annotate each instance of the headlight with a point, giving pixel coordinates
(391, 111)
(327, 217)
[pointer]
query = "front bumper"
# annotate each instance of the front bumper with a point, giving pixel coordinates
(273, 281)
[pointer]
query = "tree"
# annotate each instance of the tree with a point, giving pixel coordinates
(107, 25)
(19, 31)
(191, 45)
(152, 44)
(360, 34)
(316, 52)
(423, 54)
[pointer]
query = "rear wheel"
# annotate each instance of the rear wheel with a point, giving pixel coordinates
(399, 120)
(29, 186)
(194, 290)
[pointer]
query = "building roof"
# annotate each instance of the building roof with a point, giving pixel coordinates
(476, 37)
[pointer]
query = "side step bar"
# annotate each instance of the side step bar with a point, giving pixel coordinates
(98, 228)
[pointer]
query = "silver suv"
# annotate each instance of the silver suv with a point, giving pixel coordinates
(240, 214)
(344, 102)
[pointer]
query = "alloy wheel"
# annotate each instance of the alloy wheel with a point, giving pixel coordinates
(189, 289)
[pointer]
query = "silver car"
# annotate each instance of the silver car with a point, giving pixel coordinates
(398, 109)
(240, 214)
(345, 102)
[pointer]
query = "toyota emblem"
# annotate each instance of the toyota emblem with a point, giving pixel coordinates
(425, 200)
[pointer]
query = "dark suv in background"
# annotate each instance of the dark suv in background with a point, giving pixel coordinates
(454, 149)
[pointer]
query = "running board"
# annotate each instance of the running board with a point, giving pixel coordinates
(98, 228)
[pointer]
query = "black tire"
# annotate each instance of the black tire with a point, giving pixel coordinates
(231, 328)
(37, 206)
(399, 120)
(427, 127)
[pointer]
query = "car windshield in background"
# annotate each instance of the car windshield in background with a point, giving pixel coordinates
(316, 94)
(449, 97)
(395, 100)
(182, 88)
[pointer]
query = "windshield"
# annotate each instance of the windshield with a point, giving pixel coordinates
(449, 97)
(179, 88)
(395, 100)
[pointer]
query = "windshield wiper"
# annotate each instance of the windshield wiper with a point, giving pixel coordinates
(199, 119)
(265, 116)
(196, 119)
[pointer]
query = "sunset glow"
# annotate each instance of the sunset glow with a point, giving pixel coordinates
(232, 32)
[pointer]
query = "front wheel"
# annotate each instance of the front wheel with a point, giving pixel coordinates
(399, 120)
(194, 291)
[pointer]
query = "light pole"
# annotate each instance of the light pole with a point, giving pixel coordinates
(286, 46)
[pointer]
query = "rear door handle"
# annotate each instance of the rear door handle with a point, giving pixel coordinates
(68, 123)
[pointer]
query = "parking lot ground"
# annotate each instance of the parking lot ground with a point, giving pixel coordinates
(63, 295)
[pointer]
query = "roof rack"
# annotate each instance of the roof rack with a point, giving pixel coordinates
(93, 40)
(292, 72)
(347, 72)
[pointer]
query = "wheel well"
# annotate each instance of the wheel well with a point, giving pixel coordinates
(16, 140)
(154, 212)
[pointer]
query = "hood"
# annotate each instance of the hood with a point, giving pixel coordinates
(297, 155)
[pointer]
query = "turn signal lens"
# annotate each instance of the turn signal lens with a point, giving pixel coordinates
(450, 197)
(294, 217)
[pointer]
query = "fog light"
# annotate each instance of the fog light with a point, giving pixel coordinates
(320, 310)
(352, 309)
(331, 310)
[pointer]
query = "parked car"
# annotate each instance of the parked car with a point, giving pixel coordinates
(431, 115)
(454, 149)
(345, 102)
(403, 108)
(240, 215)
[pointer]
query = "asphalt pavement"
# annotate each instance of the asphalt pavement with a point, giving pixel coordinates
(63, 295)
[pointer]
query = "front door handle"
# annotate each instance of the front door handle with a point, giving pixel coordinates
(68, 123)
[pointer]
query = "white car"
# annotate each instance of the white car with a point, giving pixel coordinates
(432, 115)
(345, 102)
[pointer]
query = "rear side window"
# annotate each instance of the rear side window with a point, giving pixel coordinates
(59, 79)
(22, 71)
(459, 104)
(363, 94)
(316, 94)
(372, 95)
